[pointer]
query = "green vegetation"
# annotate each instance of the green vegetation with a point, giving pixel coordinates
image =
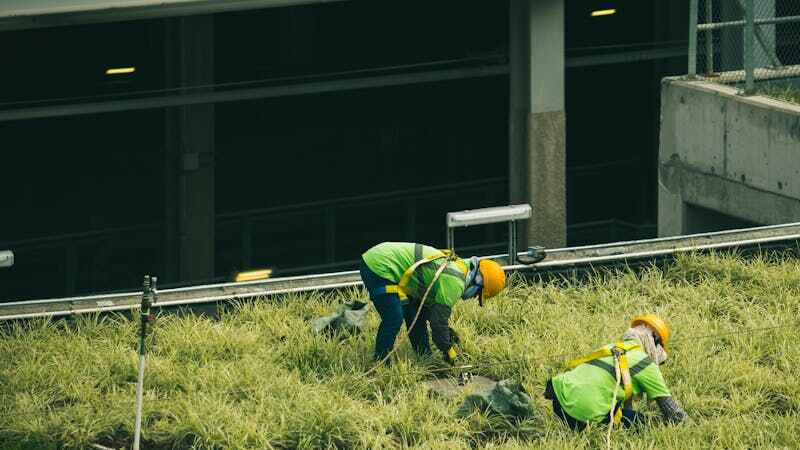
(787, 92)
(258, 378)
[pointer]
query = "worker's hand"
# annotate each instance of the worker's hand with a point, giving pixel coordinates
(450, 356)
(454, 337)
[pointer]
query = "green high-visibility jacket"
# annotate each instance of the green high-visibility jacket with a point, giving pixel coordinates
(585, 392)
(390, 260)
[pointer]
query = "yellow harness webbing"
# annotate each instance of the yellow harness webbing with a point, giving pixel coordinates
(618, 351)
(400, 287)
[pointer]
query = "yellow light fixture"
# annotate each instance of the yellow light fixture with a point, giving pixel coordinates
(604, 12)
(252, 275)
(120, 70)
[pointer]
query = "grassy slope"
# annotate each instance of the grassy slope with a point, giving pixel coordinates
(259, 379)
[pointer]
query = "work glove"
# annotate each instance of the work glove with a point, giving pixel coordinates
(450, 356)
(454, 337)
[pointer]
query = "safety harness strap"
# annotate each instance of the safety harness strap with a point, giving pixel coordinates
(401, 287)
(626, 377)
(618, 351)
(406, 278)
(389, 289)
(602, 353)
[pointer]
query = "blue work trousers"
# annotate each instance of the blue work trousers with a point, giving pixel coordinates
(393, 311)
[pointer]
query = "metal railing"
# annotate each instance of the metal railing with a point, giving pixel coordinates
(744, 41)
(560, 261)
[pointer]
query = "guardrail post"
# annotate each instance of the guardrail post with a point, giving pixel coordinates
(749, 44)
(512, 241)
(693, 12)
(451, 245)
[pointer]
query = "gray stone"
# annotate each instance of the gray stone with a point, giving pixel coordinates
(507, 398)
(451, 388)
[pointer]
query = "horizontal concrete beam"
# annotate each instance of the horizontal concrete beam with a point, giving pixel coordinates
(26, 14)
(726, 196)
(233, 95)
(627, 57)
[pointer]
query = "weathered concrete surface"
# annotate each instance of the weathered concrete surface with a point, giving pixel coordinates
(547, 164)
(739, 156)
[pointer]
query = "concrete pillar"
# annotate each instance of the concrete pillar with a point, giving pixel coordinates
(537, 121)
(190, 153)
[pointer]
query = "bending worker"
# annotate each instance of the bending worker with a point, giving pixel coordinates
(397, 274)
(585, 393)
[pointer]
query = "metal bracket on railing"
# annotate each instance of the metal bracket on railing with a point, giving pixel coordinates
(483, 216)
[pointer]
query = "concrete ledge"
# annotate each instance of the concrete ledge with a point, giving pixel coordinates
(724, 90)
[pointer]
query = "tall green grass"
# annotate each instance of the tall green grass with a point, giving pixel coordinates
(256, 377)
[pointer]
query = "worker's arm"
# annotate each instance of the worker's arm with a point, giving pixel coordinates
(439, 318)
(652, 382)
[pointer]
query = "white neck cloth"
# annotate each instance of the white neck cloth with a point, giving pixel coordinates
(645, 336)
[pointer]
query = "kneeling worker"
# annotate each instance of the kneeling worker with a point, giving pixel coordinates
(585, 393)
(397, 275)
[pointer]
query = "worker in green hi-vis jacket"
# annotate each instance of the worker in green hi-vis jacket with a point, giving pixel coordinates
(585, 394)
(397, 274)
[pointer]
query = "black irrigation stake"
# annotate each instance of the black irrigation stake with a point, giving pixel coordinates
(149, 292)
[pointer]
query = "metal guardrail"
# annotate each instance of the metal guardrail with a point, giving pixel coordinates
(558, 260)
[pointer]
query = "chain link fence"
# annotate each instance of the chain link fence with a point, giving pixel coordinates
(742, 42)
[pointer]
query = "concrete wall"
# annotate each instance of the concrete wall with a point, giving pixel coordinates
(735, 156)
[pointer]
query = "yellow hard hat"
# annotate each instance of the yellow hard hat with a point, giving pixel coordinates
(494, 279)
(657, 324)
